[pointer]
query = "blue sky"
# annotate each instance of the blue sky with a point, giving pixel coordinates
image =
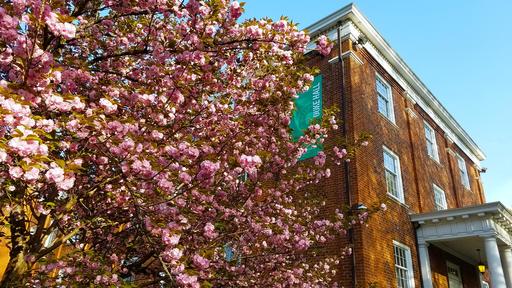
(461, 49)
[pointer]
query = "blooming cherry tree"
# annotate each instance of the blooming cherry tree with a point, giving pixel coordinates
(147, 143)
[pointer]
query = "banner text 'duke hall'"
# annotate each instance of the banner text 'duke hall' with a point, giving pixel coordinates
(308, 109)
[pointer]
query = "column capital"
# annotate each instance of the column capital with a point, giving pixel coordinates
(423, 244)
(490, 237)
(506, 248)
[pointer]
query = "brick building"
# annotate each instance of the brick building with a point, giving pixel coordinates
(438, 227)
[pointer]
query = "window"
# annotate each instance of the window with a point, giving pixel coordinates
(430, 136)
(403, 266)
(439, 198)
(393, 175)
(463, 171)
(384, 99)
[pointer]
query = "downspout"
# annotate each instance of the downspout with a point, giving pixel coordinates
(345, 163)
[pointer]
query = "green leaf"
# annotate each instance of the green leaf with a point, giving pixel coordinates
(61, 163)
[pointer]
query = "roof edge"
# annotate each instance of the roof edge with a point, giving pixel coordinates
(492, 207)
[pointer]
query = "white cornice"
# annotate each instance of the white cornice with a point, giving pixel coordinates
(352, 24)
(492, 218)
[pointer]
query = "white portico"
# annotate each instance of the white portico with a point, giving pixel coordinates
(461, 232)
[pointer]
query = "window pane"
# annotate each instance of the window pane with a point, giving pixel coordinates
(382, 88)
(401, 267)
(430, 148)
(463, 172)
(390, 162)
(384, 101)
(392, 184)
(439, 198)
(428, 132)
(430, 137)
(383, 105)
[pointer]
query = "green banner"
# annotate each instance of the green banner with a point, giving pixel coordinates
(308, 107)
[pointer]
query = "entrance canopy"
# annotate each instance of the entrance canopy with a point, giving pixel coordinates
(462, 231)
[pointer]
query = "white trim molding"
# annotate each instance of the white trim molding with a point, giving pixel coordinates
(352, 25)
(490, 219)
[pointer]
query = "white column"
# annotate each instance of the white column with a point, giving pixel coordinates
(506, 259)
(426, 273)
(494, 262)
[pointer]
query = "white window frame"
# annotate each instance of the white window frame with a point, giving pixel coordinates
(430, 138)
(463, 171)
(399, 184)
(442, 205)
(389, 98)
(408, 259)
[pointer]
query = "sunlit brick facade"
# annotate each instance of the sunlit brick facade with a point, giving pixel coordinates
(419, 161)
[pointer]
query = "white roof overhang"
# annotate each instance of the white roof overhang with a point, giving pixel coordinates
(486, 220)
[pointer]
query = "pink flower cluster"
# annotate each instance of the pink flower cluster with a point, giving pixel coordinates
(108, 106)
(235, 10)
(209, 231)
(188, 281)
(207, 171)
(324, 45)
(200, 262)
(55, 174)
(66, 30)
(250, 163)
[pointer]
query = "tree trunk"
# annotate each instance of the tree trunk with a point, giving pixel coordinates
(15, 272)
(17, 267)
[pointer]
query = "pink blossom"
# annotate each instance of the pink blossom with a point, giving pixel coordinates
(55, 174)
(172, 254)
(323, 45)
(15, 172)
(32, 174)
(302, 244)
(67, 183)
(168, 239)
(186, 280)
(157, 135)
(340, 153)
(66, 30)
(209, 231)
(383, 207)
(185, 177)
(254, 31)
(3, 155)
(249, 161)
(235, 10)
(108, 106)
(208, 169)
(200, 262)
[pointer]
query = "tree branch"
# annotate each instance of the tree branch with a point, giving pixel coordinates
(57, 243)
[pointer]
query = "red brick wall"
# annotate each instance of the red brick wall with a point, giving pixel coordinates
(375, 263)
(333, 188)
(373, 245)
